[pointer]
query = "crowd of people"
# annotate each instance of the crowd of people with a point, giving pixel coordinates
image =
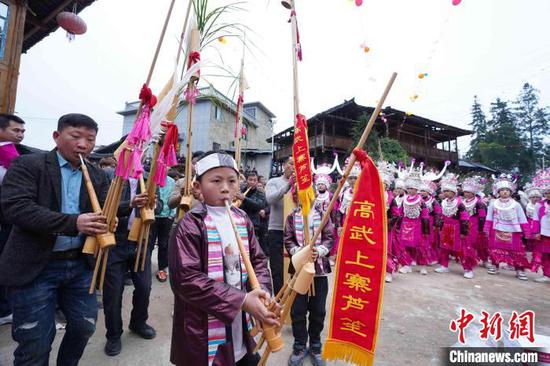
(429, 223)
(47, 215)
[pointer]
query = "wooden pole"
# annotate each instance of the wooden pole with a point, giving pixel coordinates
(194, 44)
(182, 36)
(352, 159)
(157, 51)
(294, 24)
(238, 135)
(189, 152)
(240, 109)
(115, 190)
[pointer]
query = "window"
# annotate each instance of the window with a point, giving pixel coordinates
(4, 15)
(251, 111)
(217, 113)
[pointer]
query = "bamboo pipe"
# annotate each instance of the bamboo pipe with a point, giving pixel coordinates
(238, 203)
(145, 246)
(279, 299)
(238, 136)
(273, 339)
(146, 221)
(139, 243)
(104, 240)
(194, 44)
(147, 213)
(103, 269)
(284, 314)
(96, 270)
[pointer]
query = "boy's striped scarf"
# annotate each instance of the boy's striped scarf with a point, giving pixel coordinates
(299, 229)
(216, 328)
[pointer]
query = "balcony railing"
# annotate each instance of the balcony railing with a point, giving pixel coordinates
(427, 153)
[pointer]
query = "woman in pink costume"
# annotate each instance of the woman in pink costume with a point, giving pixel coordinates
(454, 230)
(534, 196)
(505, 225)
(344, 202)
(541, 223)
(387, 174)
(427, 190)
(414, 225)
(477, 210)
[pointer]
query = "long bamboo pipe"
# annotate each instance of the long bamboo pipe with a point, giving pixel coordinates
(238, 203)
(273, 338)
(103, 241)
(106, 240)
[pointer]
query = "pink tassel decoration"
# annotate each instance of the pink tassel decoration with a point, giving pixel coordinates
(160, 175)
(120, 168)
(191, 97)
(129, 166)
(141, 132)
(138, 167)
(171, 159)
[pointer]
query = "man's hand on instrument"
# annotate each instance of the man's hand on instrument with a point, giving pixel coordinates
(314, 254)
(139, 200)
(262, 214)
(240, 196)
(91, 224)
(114, 225)
(254, 304)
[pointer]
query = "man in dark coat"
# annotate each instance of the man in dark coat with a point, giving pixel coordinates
(44, 197)
(253, 201)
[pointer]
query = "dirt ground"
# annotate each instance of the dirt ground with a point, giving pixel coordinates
(415, 321)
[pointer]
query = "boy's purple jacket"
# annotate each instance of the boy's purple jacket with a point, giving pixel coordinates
(196, 295)
(290, 242)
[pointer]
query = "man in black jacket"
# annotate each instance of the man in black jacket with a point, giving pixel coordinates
(44, 197)
(253, 202)
(121, 260)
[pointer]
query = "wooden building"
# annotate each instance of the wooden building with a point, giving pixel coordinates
(24, 23)
(330, 131)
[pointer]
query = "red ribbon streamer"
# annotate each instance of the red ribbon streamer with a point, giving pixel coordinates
(239, 103)
(298, 44)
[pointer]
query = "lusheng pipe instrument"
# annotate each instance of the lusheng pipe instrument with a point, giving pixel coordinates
(123, 155)
(273, 338)
(238, 203)
(102, 242)
(147, 213)
(187, 198)
(299, 282)
(147, 218)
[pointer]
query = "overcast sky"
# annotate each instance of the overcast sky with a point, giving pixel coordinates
(484, 47)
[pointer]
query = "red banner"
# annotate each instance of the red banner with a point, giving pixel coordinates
(302, 165)
(359, 276)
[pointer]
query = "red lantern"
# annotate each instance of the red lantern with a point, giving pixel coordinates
(71, 22)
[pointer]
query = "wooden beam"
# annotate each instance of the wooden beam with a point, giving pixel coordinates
(342, 118)
(32, 19)
(47, 19)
